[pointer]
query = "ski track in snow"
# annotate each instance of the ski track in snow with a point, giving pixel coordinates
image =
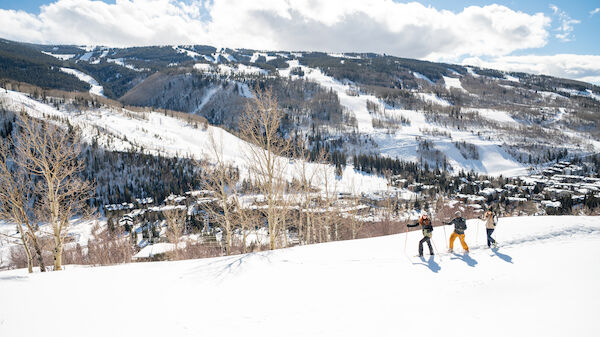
(96, 88)
(543, 281)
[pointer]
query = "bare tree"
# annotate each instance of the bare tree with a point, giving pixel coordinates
(16, 197)
(52, 153)
(329, 202)
(259, 125)
(306, 175)
(221, 180)
(175, 218)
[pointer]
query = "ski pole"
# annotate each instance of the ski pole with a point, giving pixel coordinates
(436, 250)
(405, 236)
(445, 237)
(477, 235)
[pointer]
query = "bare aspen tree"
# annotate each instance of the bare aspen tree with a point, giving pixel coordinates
(330, 207)
(221, 180)
(175, 218)
(16, 194)
(354, 222)
(306, 175)
(53, 154)
(259, 125)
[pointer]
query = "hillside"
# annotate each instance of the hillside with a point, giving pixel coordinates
(155, 133)
(542, 281)
(453, 117)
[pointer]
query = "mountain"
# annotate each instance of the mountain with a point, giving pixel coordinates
(447, 116)
(542, 281)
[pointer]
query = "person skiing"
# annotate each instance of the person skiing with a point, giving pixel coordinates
(490, 224)
(427, 228)
(460, 225)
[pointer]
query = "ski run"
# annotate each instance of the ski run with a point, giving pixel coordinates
(543, 281)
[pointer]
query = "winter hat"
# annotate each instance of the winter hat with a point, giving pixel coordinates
(457, 213)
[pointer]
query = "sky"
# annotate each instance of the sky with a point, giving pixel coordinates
(558, 38)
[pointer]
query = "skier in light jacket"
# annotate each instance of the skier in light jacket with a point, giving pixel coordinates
(490, 225)
(425, 223)
(460, 225)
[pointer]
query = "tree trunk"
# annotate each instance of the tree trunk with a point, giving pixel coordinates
(228, 238)
(38, 250)
(27, 251)
(40, 257)
(58, 256)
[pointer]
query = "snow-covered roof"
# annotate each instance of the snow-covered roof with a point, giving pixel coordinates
(151, 250)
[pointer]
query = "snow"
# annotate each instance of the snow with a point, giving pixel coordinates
(189, 53)
(86, 56)
(63, 57)
(256, 55)
(342, 55)
(432, 98)
(226, 69)
(423, 77)
(493, 160)
(96, 88)
(355, 104)
(203, 67)
(452, 82)
(206, 98)
(472, 72)
(404, 142)
(549, 94)
(121, 62)
(80, 231)
(155, 249)
(123, 130)
(216, 57)
(541, 282)
(511, 78)
(585, 93)
(495, 115)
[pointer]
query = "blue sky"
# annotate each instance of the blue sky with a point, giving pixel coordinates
(558, 38)
(586, 39)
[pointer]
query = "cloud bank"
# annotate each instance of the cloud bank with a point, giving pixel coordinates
(410, 29)
(581, 67)
(384, 26)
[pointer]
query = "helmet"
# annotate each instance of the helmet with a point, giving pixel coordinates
(424, 214)
(458, 213)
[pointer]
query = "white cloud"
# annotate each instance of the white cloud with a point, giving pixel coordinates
(565, 29)
(595, 11)
(404, 29)
(580, 67)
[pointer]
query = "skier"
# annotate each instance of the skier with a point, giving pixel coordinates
(490, 224)
(425, 223)
(460, 225)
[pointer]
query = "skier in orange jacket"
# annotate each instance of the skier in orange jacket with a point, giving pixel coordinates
(425, 223)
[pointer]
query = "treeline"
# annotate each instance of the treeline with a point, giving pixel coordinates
(124, 176)
(23, 63)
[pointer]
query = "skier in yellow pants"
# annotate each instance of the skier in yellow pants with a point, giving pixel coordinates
(460, 225)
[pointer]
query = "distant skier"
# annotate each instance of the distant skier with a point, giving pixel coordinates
(425, 223)
(460, 225)
(490, 224)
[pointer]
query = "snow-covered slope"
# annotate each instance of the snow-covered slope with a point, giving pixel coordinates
(155, 133)
(404, 143)
(356, 104)
(543, 281)
(96, 88)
